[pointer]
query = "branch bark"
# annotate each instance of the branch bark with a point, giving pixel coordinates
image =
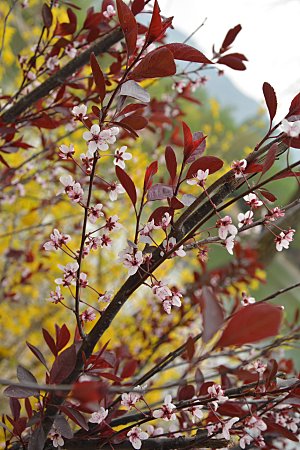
(101, 45)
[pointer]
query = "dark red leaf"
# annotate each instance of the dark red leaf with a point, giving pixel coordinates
(129, 368)
(287, 173)
(159, 212)
(190, 348)
(72, 19)
(185, 52)
(280, 431)
(199, 378)
(137, 6)
(251, 324)
(128, 25)
(150, 172)
(268, 195)
(176, 204)
(76, 416)
(212, 313)
(155, 28)
(50, 341)
(292, 142)
(156, 64)
(24, 376)
(253, 168)
(63, 337)
(28, 408)
(205, 162)
(89, 391)
(37, 353)
(127, 184)
(270, 158)
(19, 392)
(271, 100)
(200, 140)
(47, 15)
(98, 77)
(171, 162)
(230, 37)
(15, 407)
(188, 141)
(63, 365)
(295, 106)
(186, 392)
(135, 122)
(232, 61)
(159, 191)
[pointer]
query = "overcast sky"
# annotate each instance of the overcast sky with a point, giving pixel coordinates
(269, 38)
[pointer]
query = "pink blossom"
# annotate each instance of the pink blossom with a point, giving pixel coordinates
(129, 400)
(88, 315)
(169, 244)
(245, 219)
(106, 297)
(291, 129)
(165, 221)
(66, 151)
(70, 50)
(70, 271)
(121, 156)
(67, 180)
(72, 189)
(225, 227)
(95, 212)
(56, 296)
(132, 259)
(161, 290)
(227, 426)
(283, 239)
(252, 200)
(105, 240)
(52, 62)
(229, 244)
(200, 178)
(112, 223)
(146, 231)
(136, 436)
(257, 366)
(239, 167)
(166, 411)
(115, 189)
(99, 416)
(246, 439)
(98, 139)
(56, 438)
(57, 240)
(274, 214)
(215, 391)
(196, 411)
(83, 281)
(254, 425)
(80, 112)
(179, 86)
(87, 162)
(110, 12)
(247, 300)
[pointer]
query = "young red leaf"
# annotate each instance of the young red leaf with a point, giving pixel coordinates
(175, 203)
(127, 184)
(188, 141)
(63, 365)
(199, 149)
(232, 61)
(63, 337)
(37, 353)
(128, 25)
(47, 15)
(268, 195)
(271, 100)
(185, 52)
(212, 163)
(72, 18)
(49, 341)
(186, 392)
(129, 368)
(230, 37)
(253, 168)
(155, 28)
(156, 64)
(159, 191)
(98, 77)
(212, 313)
(190, 348)
(270, 158)
(286, 174)
(252, 323)
(171, 162)
(150, 172)
(137, 6)
(295, 106)
(134, 122)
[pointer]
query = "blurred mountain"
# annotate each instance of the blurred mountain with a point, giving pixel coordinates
(220, 87)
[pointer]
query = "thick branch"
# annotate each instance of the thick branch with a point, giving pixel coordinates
(101, 45)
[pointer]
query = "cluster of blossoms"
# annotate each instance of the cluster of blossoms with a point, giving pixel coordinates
(224, 428)
(227, 232)
(99, 139)
(215, 391)
(254, 425)
(69, 274)
(168, 297)
(57, 240)
(73, 190)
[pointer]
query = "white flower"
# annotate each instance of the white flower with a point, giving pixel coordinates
(129, 400)
(166, 411)
(252, 200)
(115, 189)
(227, 426)
(98, 139)
(106, 297)
(95, 212)
(132, 259)
(146, 231)
(121, 156)
(283, 239)
(66, 152)
(136, 436)
(245, 440)
(225, 227)
(70, 271)
(168, 245)
(70, 50)
(200, 178)
(67, 180)
(88, 316)
(57, 239)
(56, 438)
(245, 219)
(110, 12)
(83, 280)
(216, 391)
(52, 62)
(239, 167)
(247, 300)
(229, 244)
(56, 296)
(99, 416)
(292, 129)
(80, 111)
